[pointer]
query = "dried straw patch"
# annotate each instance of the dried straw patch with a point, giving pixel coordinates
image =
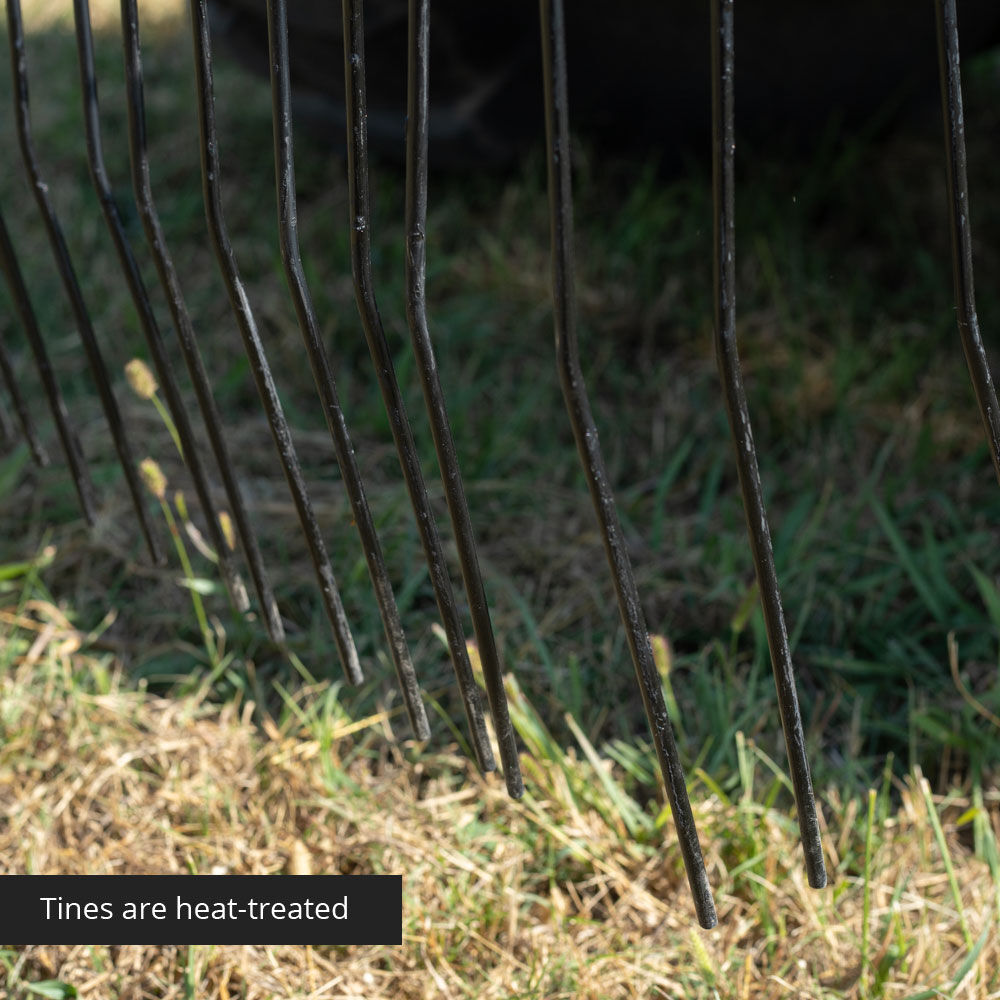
(543, 898)
(104, 14)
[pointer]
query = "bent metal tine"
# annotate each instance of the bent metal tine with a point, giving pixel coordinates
(23, 416)
(444, 444)
(67, 436)
(723, 148)
(277, 26)
(361, 266)
(585, 433)
(263, 378)
(157, 349)
(68, 275)
(961, 231)
(182, 321)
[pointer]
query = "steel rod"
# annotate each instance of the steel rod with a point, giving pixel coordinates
(588, 445)
(361, 267)
(961, 228)
(261, 370)
(724, 270)
(277, 24)
(140, 298)
(156, 241)
(7, 433)
(444, 442)
(71, 285)
(20, 408)
(67, 435)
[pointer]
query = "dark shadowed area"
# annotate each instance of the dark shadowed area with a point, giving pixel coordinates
(639, 80)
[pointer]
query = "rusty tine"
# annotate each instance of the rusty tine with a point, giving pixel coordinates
(361, 266)
(19, 68)
(961, 230)
(444, 443)
(585, 433)
(67, 435)
(263, 378)
(140, 298)
(156, 241)
(277, 24)
(20, 408)
(724, 224)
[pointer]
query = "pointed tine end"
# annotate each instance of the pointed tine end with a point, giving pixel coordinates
(816, 873)
(421, 727)
(515, 783)
(275, 626)
(485, 760)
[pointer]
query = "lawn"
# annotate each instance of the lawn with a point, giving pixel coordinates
(147, 727)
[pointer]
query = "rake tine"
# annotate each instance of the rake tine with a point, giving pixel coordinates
(23, 416)
(961, 232)
(7, 432)
(723, 148)
(277, 25)
(156, 241)
(67, 436)
(361, 266)
(259, 366)
(585, 433)
(154, 339)
(444, 443)
(68, 275)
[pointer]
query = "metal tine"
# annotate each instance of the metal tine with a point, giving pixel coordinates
(67, 435)
(23, 416)
(67, 274)
(259, 366)
(585, 433)
(150, 327)
(961, 231)
(277, 25)
(444, 443)
(157, 243)
(361, 266)
(7, 432)
(724, 268)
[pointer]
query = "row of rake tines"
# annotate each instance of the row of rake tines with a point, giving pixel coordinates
(560, 202)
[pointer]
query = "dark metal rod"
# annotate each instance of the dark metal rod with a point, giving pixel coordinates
(170, 282)
(20, 408)
(19, 67)
(724, 198)
(444, 443)
(961, 230)
(585, 433)
(7, 433)
(67, 435)
(361, 267)
(284, 166)
(157, 349)
(259, 366)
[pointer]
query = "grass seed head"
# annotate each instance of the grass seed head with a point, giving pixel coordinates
(153, 477)
(141, 379)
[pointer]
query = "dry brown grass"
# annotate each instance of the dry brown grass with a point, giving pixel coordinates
(103, 13)
(542, 898)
